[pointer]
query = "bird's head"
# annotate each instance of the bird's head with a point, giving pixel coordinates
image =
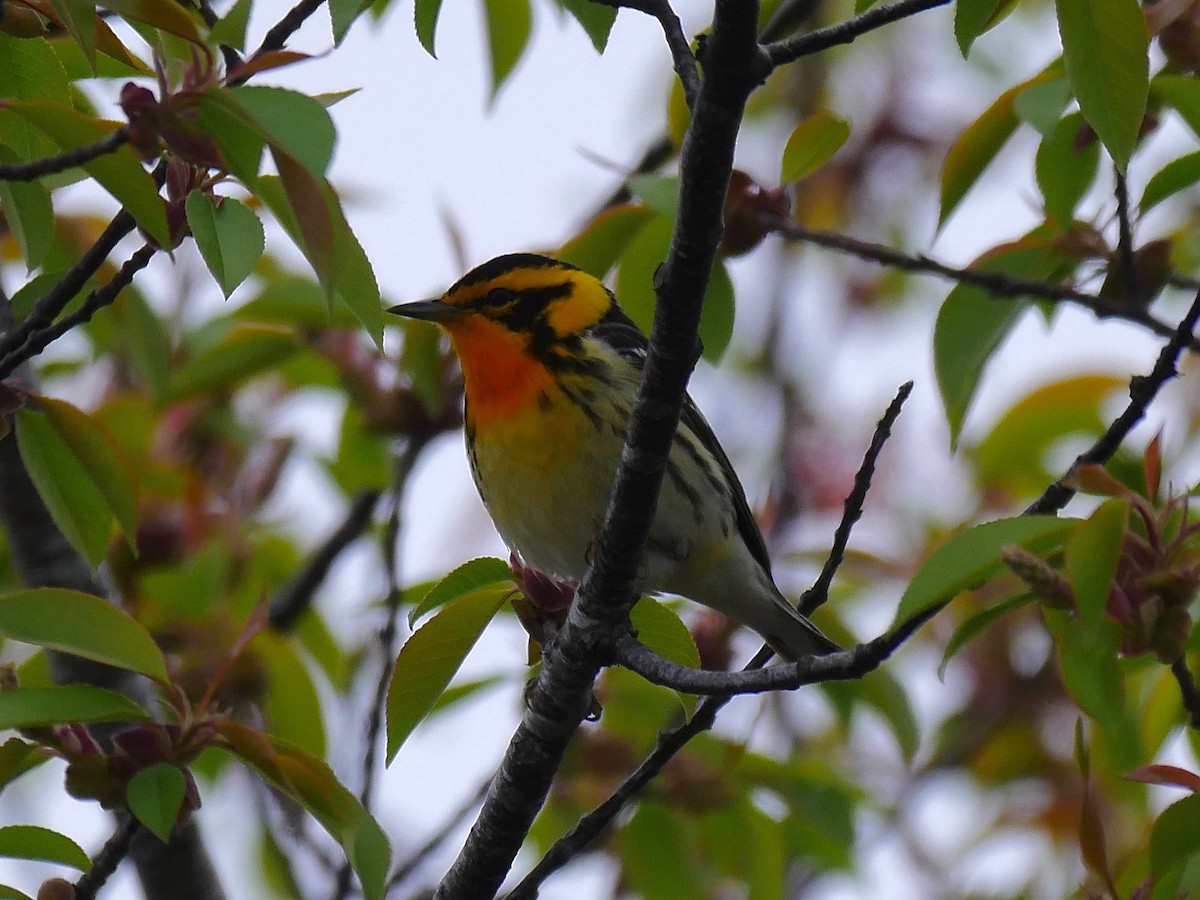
(545, 300)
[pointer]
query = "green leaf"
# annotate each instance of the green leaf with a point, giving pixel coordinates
(1066, 171)
(11, 893)
(311, 782)
(245, 352)
(29, 214)
(426, 14)
(1041, 105)
(472, 576)
(230, 238)
(973, 17)
(1087, 655)
(292, 705)
(39, 707)
(811, 144)
(975, 624)
(635, 288)
(307, 216)
(1172, 178)
(1181, 93)
(972, 324)
(155, 797)
(716, 318)
(230, 31)
(101, 457)
(165, 15)
(146, 339)
(635, 276)
(120, 173)
(79, 18)
(659, 628)
(343, 13)
(883, 693)
(71, 497)
(1105, 50)
(1175, 837)
(29, 70)
(421, 359)
(292, 122)
(596, 20)
(763, 841)
(33, 842)
(429, 659)
(353, 276)
(1014, 456)
(509, 23)
(659, 192)
(81, 624)
(658, 860)
(972, 557)
(17, 756)
(598, 247)
(1093, 551)
(978, 145)
(224, 119)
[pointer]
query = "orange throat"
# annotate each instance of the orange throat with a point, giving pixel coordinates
(502, 381)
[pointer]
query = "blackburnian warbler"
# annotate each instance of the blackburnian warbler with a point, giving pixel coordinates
(550, 367)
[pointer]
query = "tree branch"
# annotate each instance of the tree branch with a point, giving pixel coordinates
(47, 308)
(681, 51)
(1142, 390)
(279, 33)
(293, 599)
(816, 595)
(410, 864)
(996, 283)
(794, 48)
(733, 66)
(37, 341)
(387, 640)
(846, 664)
(105, 863)
(1187, 689)
(1128, 261)
(69, 159)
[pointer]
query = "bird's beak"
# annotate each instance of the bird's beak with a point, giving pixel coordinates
(427, 310)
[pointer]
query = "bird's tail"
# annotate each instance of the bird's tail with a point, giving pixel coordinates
(790, 633)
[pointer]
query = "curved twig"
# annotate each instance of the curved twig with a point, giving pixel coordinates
(996, 283)
(792, 49)
(69, 159)
(1142, 390)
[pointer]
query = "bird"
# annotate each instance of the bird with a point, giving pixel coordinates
(550, 365)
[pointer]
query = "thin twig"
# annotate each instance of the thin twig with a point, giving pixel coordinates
(69, 159)
(853, 508)
(856, 662)
(996, 283)
(670, 743)
(295, 597)
(1187, 689)
(410, 863)
(1129, 273)
(681, 52)
(1142, 390)
(794, 48)
(595, 823)
(37, 341)
(115, 849)
(278, 35)
(53, 302)
(387, 638)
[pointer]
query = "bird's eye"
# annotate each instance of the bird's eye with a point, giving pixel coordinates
(499, 297)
